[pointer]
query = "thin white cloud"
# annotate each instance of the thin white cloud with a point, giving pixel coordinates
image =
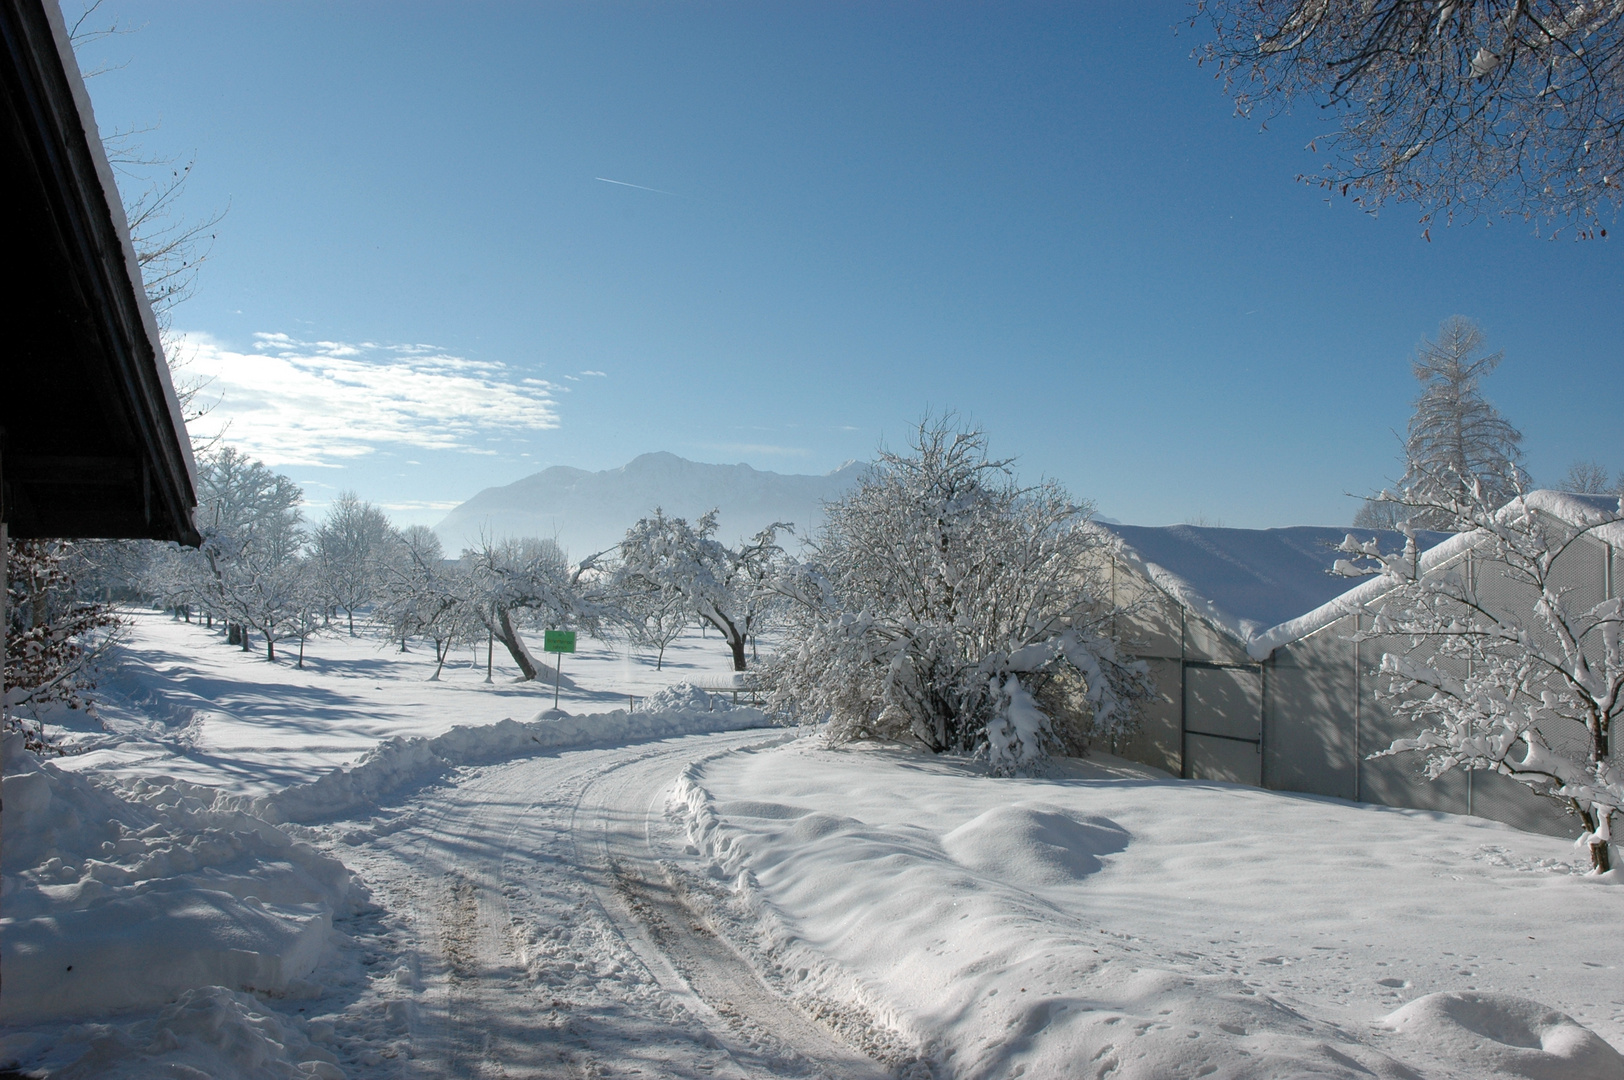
(420, 504)
(639, 187)
(597, 374)
(320, 403)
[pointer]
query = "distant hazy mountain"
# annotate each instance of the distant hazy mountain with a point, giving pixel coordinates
(590, 511)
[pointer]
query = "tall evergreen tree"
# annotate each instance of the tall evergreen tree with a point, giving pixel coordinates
(1456, 438)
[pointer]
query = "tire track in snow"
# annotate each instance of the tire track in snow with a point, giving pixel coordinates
(534, 886)
(617, 815)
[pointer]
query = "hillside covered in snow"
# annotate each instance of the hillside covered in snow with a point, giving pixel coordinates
(590, 511)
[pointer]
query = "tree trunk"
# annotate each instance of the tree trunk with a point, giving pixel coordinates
(1601, 855)
(440, 652)
(659, 661)
(349, 612)
(730, 634)
(270, 649)
(509, 637)
(300, 664)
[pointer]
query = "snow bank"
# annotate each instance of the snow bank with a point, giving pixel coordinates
(1107, 922)
(209, 1032)
(1505, 1035)
(950, 952)
(686, 697)
(398, 761)
(121, 897)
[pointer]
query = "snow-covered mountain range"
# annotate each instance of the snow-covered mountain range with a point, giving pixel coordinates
(590, 511)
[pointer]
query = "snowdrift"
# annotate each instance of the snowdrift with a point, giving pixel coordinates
(1505, 1035)
(400, 761)
(988, 928)
(124, 897)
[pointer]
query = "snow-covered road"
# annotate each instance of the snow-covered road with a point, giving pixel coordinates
(555, 931)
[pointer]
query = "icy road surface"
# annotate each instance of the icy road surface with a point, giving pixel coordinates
(548, 933)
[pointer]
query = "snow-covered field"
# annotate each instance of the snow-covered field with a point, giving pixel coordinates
(656, 894)
(1110, 921)
(183, 703)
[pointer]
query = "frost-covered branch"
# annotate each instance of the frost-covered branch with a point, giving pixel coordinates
(1509, 666)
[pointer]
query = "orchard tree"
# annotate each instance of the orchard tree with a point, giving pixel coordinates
(349, 546)
(307, 608)
(730, 589)
(1456, 438)
(425, 595)
(1491, 682)
(1510, 106)
(516, 581)
(654, 616)
(252, 537)
(940, 597)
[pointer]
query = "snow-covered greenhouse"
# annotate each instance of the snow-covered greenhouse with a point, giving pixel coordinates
(1250, 638)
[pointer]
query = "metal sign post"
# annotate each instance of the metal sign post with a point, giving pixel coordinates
(558, 642)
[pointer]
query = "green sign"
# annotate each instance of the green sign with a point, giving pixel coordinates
(559, 641)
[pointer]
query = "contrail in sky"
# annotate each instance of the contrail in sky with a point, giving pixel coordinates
(639, 187)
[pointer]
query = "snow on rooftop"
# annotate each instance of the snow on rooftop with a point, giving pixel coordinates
(1267, 587)
(1246, 582)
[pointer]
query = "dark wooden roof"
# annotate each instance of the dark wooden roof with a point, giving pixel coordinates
(91, 443)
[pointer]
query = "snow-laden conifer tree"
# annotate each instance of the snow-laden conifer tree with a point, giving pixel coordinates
(1456, 439)
(939, 597)
(1502, 661)
(730, 589)
(1455, 435)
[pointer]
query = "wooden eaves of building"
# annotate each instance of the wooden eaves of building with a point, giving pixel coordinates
(1259, 679)
(92, 441)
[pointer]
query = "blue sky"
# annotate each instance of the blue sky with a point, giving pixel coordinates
(1043, 216)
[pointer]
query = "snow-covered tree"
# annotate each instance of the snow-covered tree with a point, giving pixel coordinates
(527, 580)
(349, 548)
(728, 588)
(655, 615)
(424, 595)
(253, 537)
(1504, 664)
(938, 599)
(1456, 437)
(307, 609)
(1511, 106)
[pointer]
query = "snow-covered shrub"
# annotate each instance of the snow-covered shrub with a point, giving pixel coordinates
(1499, 655)
(939, 598)
(53, 634)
